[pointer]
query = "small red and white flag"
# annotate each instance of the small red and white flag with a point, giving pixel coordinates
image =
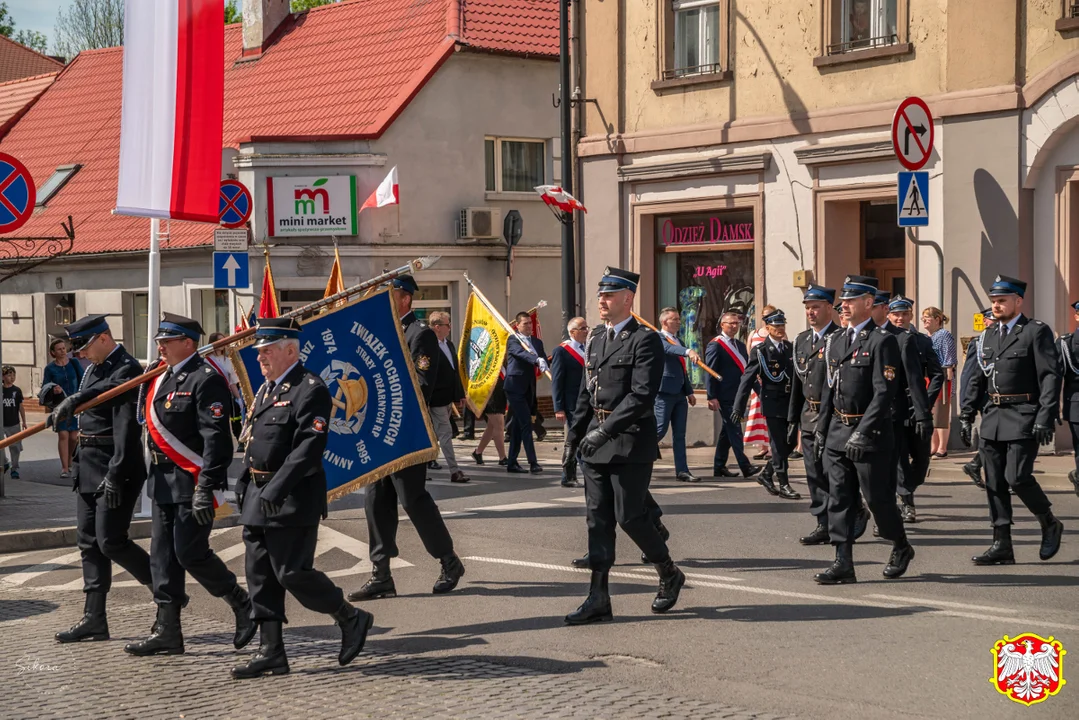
(387, 193)
(173, 109)
(556, 197)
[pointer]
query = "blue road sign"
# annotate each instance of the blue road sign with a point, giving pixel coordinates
(231, 271)
(912, 199)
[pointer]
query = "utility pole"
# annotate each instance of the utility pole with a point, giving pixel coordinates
(569, 275)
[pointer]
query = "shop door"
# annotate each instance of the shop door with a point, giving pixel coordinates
(883, 246)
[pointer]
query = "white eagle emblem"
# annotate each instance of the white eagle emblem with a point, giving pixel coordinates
(1028, 674)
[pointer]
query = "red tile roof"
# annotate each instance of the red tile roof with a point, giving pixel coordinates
(345, 70)
(18, 61)
(16, 97)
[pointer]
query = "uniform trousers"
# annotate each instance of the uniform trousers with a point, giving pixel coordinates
(521, 429)
(283, 558)
(730, 438)
(872, 476)
(380, 499)
(1075, 441)
(816, 478)
(178, 544)
(777, 441)
(617, 496)
(913, 463)
(102, 537)
(899, 453)
(1011, 463)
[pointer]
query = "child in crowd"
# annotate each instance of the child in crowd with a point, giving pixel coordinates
(14, 418)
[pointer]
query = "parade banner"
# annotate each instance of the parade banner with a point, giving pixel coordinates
(483, 347)
(379, 422)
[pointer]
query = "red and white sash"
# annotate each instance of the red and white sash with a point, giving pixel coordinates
(718, 339)
(573, 352)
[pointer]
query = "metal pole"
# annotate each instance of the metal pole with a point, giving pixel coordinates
(569, 289)
(153, 311)
(3, 474)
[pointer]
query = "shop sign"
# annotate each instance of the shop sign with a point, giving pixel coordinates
(312, 205)
(705, 228)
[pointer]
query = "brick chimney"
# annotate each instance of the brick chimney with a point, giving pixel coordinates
(261, 18)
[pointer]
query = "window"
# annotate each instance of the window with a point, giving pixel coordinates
(289, 300)
(696, 37)
(1069, 20)
(140, 316)
(56, 181)
(215, 311)
(864, 25)
(514, 165)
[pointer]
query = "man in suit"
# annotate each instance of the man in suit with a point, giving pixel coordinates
(524, 354)
(187, 419)
(1069, 352)
(282, 498)
(409, 484)
(614, 428)
(675, 391)
(109, 474)
(727, 355)
(447, 391)
(973, 469)
(1020, 373)
(567, 370)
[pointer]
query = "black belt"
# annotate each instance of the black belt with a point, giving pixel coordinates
(160, 458)
(847, 418)
(261, 477)
(999, 399)
(96, 441)
(601, 414)
(814, 405)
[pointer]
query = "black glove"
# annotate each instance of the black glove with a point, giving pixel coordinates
(64, 411)
(1043, 434)
(202, 505)
(569, 456)
(818, 444)
(857, 446)
(923, 429)
(593, 441)
(792, 433)
(966, 432)
(735, 418)
(113, 491)
(268, 508)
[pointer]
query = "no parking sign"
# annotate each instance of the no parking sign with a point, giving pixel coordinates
(17, 194)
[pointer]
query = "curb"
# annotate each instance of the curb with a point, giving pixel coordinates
(66, 537)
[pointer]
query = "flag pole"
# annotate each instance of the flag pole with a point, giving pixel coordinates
(650, 326)
(153, 312)
(498, 316)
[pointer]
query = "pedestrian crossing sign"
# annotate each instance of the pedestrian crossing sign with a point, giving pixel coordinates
(912, 200)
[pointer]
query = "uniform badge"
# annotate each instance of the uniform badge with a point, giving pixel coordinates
(820, 353)
(624, 335)
(285, 387)
(863, 334)
(423, 362)
(1028, 669)
(282, 403)
(889, 372)
(217, 410)
(208, 370)
(319, 424)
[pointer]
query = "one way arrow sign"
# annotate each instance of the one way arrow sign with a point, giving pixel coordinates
(231, 271)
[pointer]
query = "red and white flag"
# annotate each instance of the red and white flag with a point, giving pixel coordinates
(173, 109)
(556, 197)
(387, 193)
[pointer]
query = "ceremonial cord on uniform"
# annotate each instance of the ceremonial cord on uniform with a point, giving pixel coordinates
(587, 374)
(800, 371)
(245, 431)
(832, 376)
(768, 373)
(1069, 361)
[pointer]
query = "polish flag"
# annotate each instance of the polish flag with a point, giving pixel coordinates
(173, 109)
(387, 193)
(556, 197)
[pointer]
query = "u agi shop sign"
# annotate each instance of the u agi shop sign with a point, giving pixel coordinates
(713, 228)
(312, 205)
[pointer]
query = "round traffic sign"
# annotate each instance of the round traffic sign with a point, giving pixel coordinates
(912, 133)
(17, 194)
(234, 204)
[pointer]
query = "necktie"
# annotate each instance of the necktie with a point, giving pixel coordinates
(1003, 330)
(610, 334)
(851, 333)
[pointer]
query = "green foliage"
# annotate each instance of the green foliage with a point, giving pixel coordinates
(301, 5)
(232, 12)
(30, 38)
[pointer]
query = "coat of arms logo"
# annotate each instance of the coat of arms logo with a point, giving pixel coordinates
(1028, 669)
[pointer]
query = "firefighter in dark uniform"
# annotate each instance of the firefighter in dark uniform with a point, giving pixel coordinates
(855, 434)
(282, 496)
(109, 474)
(1069, 351)
(920, 383)
(768, 373)
(614, 429)
(186, 411)
(973, 469)
(1019, 387)
(409, 485)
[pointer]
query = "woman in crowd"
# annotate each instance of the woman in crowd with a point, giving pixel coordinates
(756, 425)
(494, 413)
(934, 320)
(64, 374)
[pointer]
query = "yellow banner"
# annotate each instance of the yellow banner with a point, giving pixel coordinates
(482, 349)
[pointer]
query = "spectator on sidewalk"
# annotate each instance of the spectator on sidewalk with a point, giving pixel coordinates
(14, 418)
(224, 362)
(446, 392)
(63, 374)
(494, 413)
(934, 320)
(567, 371)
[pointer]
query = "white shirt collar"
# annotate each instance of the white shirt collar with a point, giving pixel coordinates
(1011, 323)
(818, 334)
(619, 326)
(283, 375)
(775, 343)
(672, 336)
(858, 328)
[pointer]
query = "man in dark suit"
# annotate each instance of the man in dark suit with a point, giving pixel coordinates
(727, 355)
(446, 392)
(675, 391)
(1020, 374)
(282, 497)
(187, 418)
(567, 370)
(109, 474)
(1069, 352)
(973, 469)
(524, 354)
(409, 484)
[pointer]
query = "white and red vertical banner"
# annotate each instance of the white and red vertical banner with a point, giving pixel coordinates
(173, 109)
(388, 192)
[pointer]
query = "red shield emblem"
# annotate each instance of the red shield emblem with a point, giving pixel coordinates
(1028, 668)
(319, 424)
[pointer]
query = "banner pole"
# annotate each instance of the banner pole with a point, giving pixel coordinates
(498, 316)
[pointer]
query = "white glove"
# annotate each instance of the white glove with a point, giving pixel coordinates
(542, 365)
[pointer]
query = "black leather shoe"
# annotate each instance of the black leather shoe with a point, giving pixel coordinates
(974, 474)
(1052, 530)
(876, 531)
(166, 638)
(788, 493)
(240, 602)
(504, 462)
(541, 432)
(570, 484)
(378, 586)
(862, 522)
(597, 606)
(468, 436)
(433, 465)
(644, 559)
(354, 624)
(908, 514)
(270, 658)
(723, 472)
(795, 455)
(899, 561)
(452, 572)
(671, 580)
(750, 470)
(819, 536)
(1000, 552)
(687, 477)
(1074, 477)
(581, 562)
(478, 458)
(535, 469)
(842, 570)
(765, 480)
(516, 469)
(93, 625)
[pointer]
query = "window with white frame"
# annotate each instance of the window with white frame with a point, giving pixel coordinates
(514, 165)
(863, 24)
(696, 38)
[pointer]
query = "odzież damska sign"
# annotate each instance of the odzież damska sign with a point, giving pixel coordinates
(312, 205)
(718, 228)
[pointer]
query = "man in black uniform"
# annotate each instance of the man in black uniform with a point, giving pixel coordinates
(614, 428)
(855, 434)
(1021, 375)
(187, 418)
(109, 474)
(768, 373)
(410, 484)
(973, 469)
(1069, 351)
(282, 496)
(920, 383)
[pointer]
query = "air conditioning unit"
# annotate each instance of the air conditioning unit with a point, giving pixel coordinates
(480, 222)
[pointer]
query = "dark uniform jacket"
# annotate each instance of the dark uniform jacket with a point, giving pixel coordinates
(111, 444)
(1070, 408)
(622, 378)
(1023, 386)
(764, 360)
(867, 378)
(911, 399)
(720, 360)
(447, 388)
(933, 370)
(426, 355)
(809, 377)
(194, 406)
(566, 374)
(283, 460)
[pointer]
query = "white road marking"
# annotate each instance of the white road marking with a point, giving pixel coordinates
(680, 490)
(702, 576)
(471, 481)
(10, 558)
(945, 604)
(455, 513)
(514, 506)
(575, 499)
(21, 577)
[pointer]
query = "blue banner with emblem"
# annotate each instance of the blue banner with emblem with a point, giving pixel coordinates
(379, 423)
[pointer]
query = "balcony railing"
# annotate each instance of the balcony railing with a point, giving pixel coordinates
(1073, 9)
(709, 69)
(874, 42)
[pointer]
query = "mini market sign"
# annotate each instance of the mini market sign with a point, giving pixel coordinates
(312, 205)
